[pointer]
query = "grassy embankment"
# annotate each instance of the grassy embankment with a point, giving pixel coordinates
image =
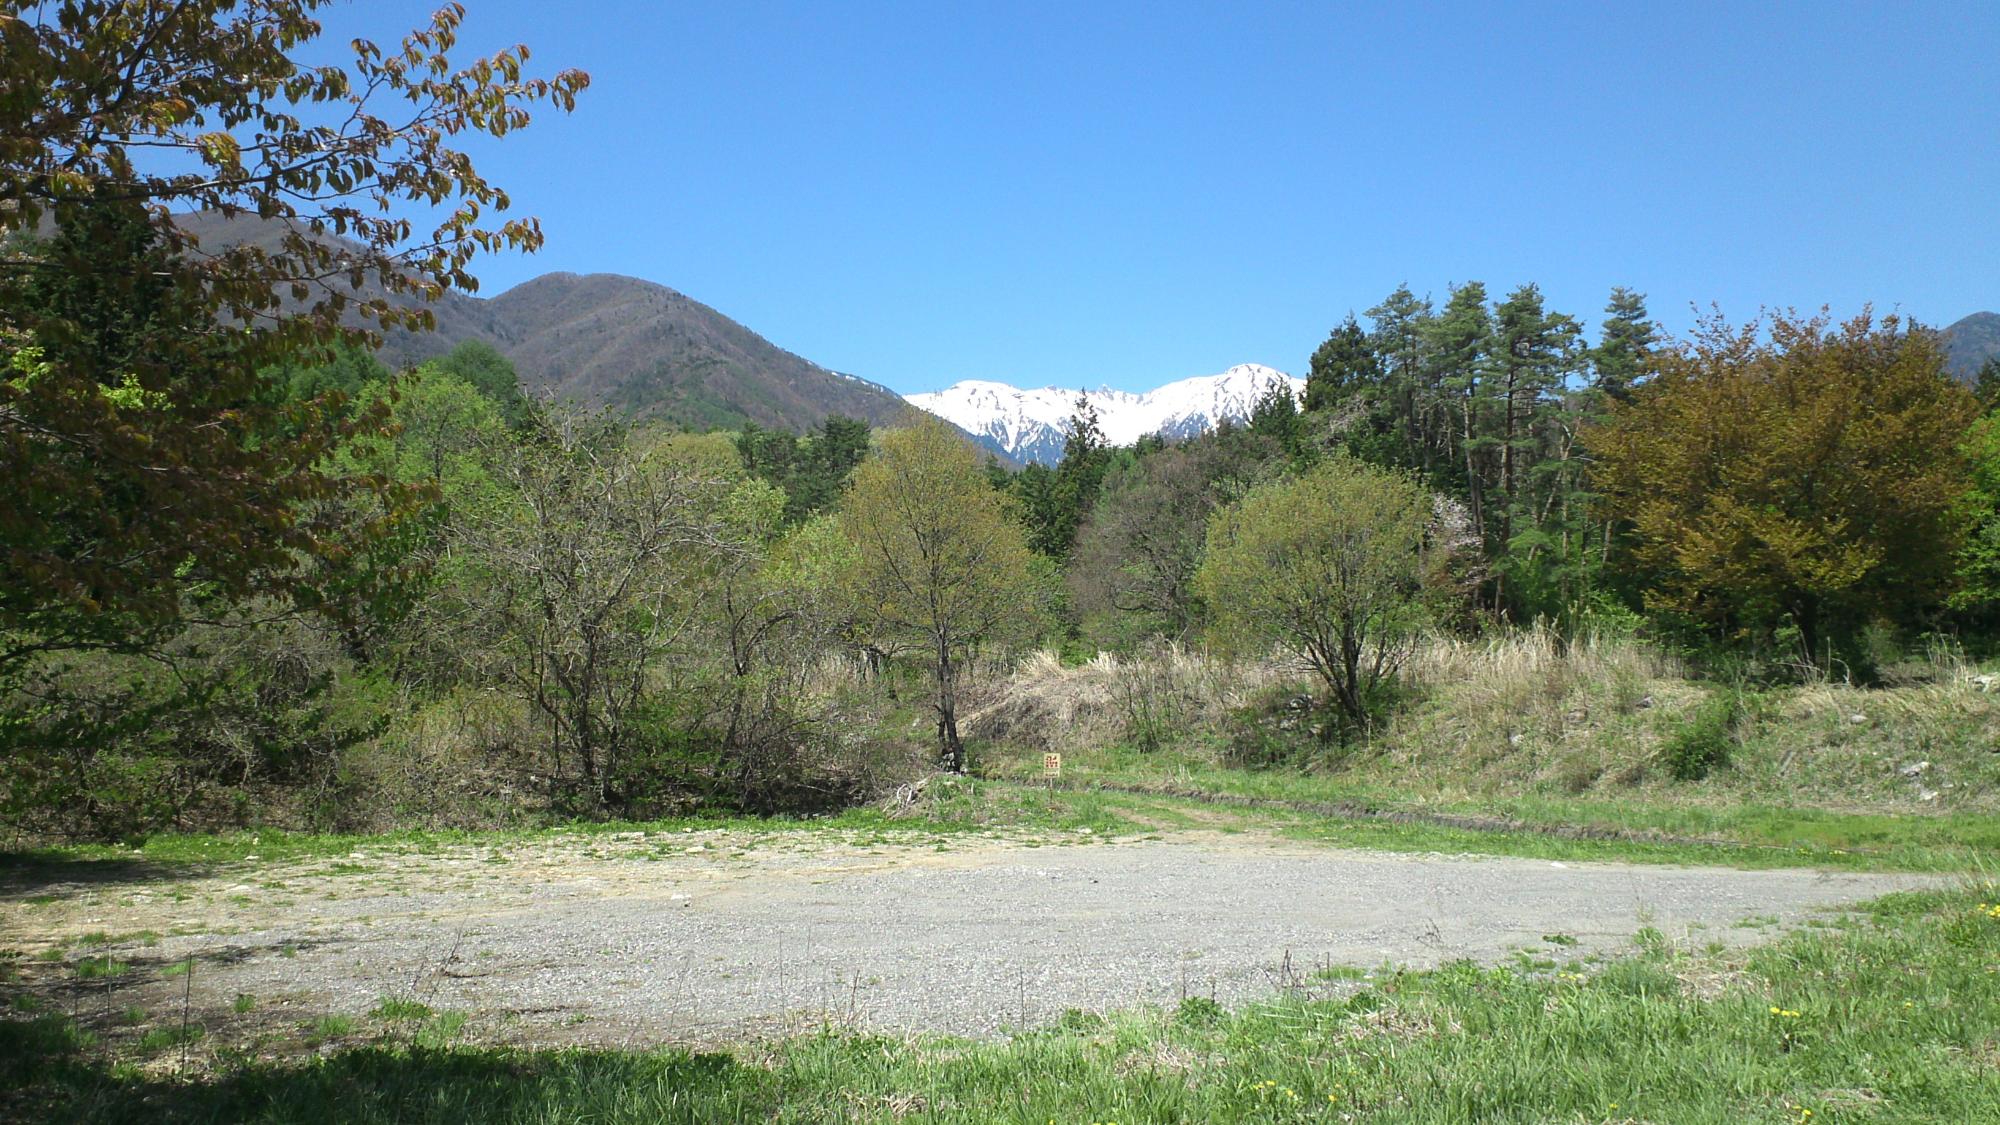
(1518, 746)
(1513, 747)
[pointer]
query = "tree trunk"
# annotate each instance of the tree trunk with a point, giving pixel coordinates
(1805, 614)
(1351, 699)
(1474, 493)
(951, 752)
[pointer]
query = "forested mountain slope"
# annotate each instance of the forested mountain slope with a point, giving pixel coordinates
(1971, 342)
(623, 342)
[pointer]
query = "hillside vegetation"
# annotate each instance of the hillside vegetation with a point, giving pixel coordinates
(1603, 738)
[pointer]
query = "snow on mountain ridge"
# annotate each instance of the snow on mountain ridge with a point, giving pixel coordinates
(1028, 424)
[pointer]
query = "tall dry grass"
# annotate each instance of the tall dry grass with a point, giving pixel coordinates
(1530, 708)
(1536, 659)
(1164, 692)
(1531, 712)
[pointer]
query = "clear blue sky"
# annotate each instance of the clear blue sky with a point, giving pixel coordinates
(1078, 194)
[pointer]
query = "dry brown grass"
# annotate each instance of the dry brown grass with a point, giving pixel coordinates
(1044, 705)
(1527, 709)
(1395, 1021)
(1536, 660)
(1528, 713)
(1704, 981)
(1162, 1056)
(1520, 708)
(455, 762)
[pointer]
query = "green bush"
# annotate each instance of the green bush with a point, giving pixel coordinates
(1279, 727)
(1199, 1011)
(113, 746)
(1705, 742)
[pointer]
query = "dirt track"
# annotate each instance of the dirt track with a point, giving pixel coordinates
(709, 937)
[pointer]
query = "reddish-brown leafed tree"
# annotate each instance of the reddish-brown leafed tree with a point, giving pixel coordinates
(146, 466)
(1791, 471)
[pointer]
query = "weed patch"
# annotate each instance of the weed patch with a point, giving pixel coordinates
(1707, 740)
(398, 1009)
(101, 968)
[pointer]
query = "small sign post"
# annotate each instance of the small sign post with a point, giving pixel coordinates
(1051, 769)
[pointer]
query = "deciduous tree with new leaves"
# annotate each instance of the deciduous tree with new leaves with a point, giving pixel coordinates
(1328, 566)
(585, 572)
(940, 565)
(1793, 473)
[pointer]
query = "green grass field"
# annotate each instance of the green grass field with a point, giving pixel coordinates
(1365, 805)
(1297, 806)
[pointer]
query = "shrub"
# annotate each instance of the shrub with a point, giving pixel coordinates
(1199, 1011)
(1328, 566)
(1280, 726)
(465, 758)
(111, 746)
(1708, 738)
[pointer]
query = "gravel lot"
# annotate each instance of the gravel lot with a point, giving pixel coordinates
(712, 937)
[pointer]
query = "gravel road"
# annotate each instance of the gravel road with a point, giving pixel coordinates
(712, 937)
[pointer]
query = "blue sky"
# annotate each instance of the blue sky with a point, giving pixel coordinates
(1076, 194)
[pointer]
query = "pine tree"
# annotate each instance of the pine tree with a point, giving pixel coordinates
(1986, 384)
(1535, 418)
(1342, 367)
(1627, 338)
(1078, 477)
(1531, 354)
(831, 452)
(1275, 415)
(1413, 400)
(1457, 340)
(811, 470)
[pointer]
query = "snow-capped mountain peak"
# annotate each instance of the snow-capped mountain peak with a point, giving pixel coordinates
(1028, 424)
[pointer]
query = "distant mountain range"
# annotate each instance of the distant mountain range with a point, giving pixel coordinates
(633, 345)
(1970, 342)
(645, 349)
(1028, 425)
(651, 352)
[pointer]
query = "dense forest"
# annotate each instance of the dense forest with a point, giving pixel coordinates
(250, 574)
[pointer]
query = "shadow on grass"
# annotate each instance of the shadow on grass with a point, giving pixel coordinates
(26, 874)
(47, 1075)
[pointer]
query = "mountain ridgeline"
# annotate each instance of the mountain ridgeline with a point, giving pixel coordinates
(635, 346)
(643, 349)
(1971, 343)
(1031, 425)
(647, 350)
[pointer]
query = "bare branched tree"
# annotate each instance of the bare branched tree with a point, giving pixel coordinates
(593, 567)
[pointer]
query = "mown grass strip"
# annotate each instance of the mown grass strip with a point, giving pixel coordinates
(1361, 823)
(1647, 827)
(1114, 801)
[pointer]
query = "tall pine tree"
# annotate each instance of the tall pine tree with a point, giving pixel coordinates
(1628, 336)
(1342, 367)
(1086, 455)
(1457, 341)
(1412, 399)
